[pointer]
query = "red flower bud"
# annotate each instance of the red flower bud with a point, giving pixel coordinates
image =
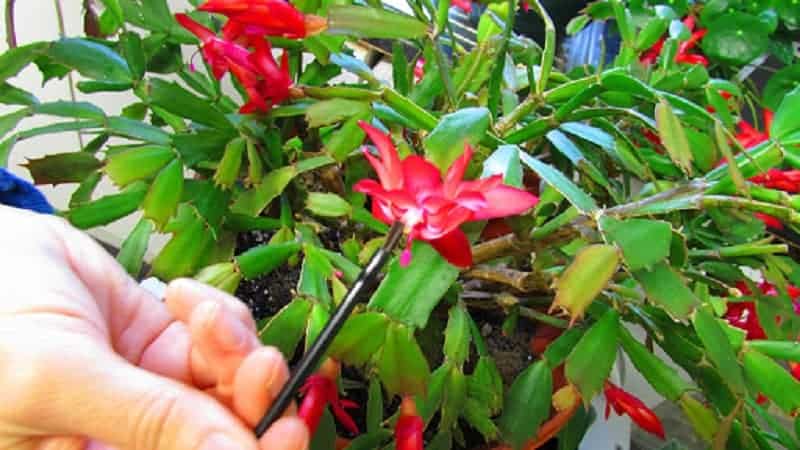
(770, 221)
(409, 428)
(794, 368)
(320, 391)
(419, 70)
(625, 403)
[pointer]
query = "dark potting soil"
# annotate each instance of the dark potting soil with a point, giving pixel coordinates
(511, 353)
(267, 294)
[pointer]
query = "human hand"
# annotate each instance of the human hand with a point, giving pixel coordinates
(88, 356)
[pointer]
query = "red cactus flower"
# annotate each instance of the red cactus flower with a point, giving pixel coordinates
(783, 180)
(794, 368)
(412, 191)
(748, 136)
(769, 289)
(268, 84)
(419, 70)
(725, 95)
(684, 53)
(464, 5)
(625, 403)
(263, 18)
(320, 391)
(743, 315)
(218, 52)
(769, 221)
(652, 137)
(409, 428)
(651, 55)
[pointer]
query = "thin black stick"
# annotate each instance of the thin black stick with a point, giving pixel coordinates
(361, 288)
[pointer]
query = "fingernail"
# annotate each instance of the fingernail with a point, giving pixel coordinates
(219, 441)
(233, 334)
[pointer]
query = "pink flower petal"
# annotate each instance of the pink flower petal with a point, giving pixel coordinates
(433, 204)
(380, 169)
(446, 221)
(455, 174)
(393, 172)
(420, 176)
(474, 201)
(382, 211)
(504, 201)
(482, 185)
(401, 199)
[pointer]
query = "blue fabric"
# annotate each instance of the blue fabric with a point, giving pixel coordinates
(16, 192)
(586, 47)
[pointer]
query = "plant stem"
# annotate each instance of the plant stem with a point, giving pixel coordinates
(411, 110)
(591, 113)
(522, 110)
(555, 224)
(495, 248)
(724, 430)
(771, 195)
(71, 80)
(521, 281)
(444, 71)
(740, 250)
(548, 55)
(473, 68)
(496, 78)
(339, 92)
(553, 233)
(507, 301)
(441, 58)
(719, 201)
(626, 291)
(549, 52)
(692, 188)
(428, 4)
(533, 314)
(11, 29)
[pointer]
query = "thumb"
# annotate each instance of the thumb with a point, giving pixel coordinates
(132, 409)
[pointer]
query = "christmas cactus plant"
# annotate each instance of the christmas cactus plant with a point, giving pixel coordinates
(647, 207)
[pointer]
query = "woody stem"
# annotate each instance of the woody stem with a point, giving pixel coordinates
(507, 301)
(11, 30)
(549, 53)
(521, 281)
(510, 244)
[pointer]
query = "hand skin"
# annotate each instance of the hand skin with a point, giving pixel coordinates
(88, 359)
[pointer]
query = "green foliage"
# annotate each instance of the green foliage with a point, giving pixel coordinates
(643, 167)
